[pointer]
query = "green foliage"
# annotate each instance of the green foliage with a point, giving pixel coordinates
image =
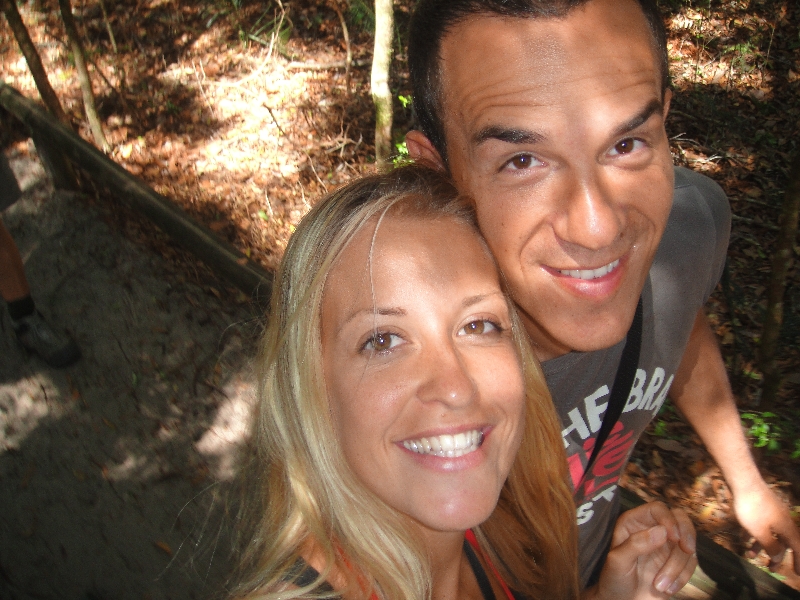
(773, 432)
(401, 155)
(764, 433)
(362, 15)
(744, 56)
(211, 13)
(276, 30)
(666, 414)
(405, 101)
(660, 428)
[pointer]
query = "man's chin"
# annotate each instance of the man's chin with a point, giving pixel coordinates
(592, 335)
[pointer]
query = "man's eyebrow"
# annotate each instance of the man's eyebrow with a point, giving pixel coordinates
(511, 135)
(652, 107)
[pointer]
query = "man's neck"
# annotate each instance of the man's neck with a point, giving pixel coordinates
(545, 347)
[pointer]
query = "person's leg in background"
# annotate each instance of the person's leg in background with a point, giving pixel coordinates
(34, 333)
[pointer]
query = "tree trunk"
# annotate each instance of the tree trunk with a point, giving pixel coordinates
(781, 263)
(381, 94)
(9, 8)
(83, 75)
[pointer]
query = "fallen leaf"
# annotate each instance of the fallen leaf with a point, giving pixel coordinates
(657, 459)
(697, 468)
(670, 445)
(164, 547)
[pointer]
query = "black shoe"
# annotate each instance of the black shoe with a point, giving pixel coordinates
(55, 348)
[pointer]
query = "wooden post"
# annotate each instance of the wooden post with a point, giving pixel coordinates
(55, 163)
(83, 75)
(381, 94)
(782, 261)
(33, 59)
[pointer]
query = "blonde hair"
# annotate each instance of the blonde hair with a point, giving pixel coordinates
(298, 492)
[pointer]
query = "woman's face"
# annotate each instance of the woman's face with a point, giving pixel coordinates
(425, 387)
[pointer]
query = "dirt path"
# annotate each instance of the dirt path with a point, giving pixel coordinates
(109, 469)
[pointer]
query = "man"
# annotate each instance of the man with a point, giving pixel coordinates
(550, 114)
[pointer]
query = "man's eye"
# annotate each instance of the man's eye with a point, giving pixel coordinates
(479, 327)
(522, 161)
(626, 146)
(382, 341)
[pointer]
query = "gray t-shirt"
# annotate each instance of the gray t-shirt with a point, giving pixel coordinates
(685, 271)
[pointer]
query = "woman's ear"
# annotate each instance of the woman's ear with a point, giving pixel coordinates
(421, 150)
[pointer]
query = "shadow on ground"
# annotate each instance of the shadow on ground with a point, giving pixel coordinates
(113, 471)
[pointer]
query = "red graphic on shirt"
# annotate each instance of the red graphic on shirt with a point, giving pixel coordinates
(608, 465)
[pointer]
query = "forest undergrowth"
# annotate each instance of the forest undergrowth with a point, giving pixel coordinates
(245, 113)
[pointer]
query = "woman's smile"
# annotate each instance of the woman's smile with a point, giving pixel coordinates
(447, 446)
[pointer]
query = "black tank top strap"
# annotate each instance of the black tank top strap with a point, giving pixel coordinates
(303, 574)
(480, 574)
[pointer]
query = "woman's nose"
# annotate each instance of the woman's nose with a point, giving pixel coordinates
(447, 379)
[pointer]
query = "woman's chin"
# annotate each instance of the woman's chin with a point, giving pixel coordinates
(456, 517)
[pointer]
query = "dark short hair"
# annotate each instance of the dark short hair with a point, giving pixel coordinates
(434, 19)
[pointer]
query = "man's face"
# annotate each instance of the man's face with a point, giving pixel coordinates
(556, 128)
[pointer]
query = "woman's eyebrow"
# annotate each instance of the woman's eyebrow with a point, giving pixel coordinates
(472, 300)
(392, 311)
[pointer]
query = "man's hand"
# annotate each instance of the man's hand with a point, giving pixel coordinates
(702, 393)
(763, 514)
(652, 555)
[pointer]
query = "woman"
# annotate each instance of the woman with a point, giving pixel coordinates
(400, 412)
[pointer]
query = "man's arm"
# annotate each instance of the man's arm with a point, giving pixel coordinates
(702, 392)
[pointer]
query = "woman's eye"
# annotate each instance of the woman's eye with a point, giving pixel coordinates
(626, 146)
(479, 327)
(382, 341)
(522, 162)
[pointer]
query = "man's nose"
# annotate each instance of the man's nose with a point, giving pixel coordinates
(590, 216)
(447, 379)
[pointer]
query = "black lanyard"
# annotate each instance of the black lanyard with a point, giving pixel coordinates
(621, 389)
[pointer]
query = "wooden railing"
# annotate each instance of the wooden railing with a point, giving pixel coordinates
(60, 148)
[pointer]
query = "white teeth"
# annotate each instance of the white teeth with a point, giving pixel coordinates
(590, 273)
(447, 446)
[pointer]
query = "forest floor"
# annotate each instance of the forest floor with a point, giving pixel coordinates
(115, 472)
(244, 114)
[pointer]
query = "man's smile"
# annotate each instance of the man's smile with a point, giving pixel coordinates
(590, 273)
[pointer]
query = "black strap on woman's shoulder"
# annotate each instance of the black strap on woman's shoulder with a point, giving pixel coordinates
(480, 574)
(621, 388)
(303, 574)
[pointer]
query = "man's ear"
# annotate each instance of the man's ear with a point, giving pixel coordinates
(667, 100)
(421, 150)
